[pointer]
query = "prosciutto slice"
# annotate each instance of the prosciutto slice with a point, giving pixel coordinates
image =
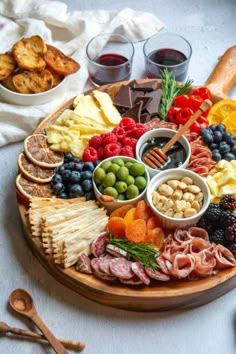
(198, 232)
(205, 263)
(224, 258)
(157, 274)
(182, 265)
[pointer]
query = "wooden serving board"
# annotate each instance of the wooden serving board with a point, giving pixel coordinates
(171, 295)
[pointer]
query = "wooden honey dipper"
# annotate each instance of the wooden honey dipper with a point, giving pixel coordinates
(4, 329)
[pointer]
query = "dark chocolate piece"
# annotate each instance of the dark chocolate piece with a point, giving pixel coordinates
(145, 118)
(147, 86)
(153, 106)
(134, 112)
(123, 97)
(144, 99)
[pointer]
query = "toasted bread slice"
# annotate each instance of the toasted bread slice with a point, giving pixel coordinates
(8, 83)
(7, 65)
(30, 82)
(56, 77)
(59, 62)
(28, 53)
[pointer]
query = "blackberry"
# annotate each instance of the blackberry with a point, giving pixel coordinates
(228, 202)
(218, 237)
(230, 233)
(202, 223)
(213, 214)
(226, 218)
(232, 248)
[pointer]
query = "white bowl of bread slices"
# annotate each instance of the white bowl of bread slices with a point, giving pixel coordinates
(33, 72)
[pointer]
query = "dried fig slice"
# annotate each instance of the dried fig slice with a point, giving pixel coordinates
(33, 172)
(38, 151)
(28, 189)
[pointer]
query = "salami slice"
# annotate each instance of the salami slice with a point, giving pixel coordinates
(116, 251)
(98, 246)
(121, 268)
(157, 274)
(133, 281)
(104, 264)
(84, 264)
(96, 270)
(138, 269)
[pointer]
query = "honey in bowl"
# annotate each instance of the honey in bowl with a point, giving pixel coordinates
(176, 154)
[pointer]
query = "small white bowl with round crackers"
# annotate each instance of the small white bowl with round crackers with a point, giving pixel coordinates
(179, 197)
(33, 73)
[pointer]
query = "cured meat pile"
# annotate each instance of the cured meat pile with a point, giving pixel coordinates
(187, 254)
(200, 161)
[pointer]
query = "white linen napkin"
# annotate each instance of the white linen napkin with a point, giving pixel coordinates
(69, 32)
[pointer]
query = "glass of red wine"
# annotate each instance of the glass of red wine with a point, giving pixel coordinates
(110, 58)
(167, 50)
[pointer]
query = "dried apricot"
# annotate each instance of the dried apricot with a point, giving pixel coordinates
(136, 230)
(121, 211)
(129, 216)
(156, 237)
(143, 211)
(153, 222)
(116, 226)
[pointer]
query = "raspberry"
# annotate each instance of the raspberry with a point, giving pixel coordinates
(90, 154)
(109, 138)
(111, 150)
(127, 150)
(119, 132)
(95, 141)
(100, 152)
(127, 123)
(129, 141)
(138, 131)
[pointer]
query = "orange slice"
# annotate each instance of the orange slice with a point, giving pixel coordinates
(221, 110)
(34, 172)
(29, 189)
(38, 151)
(230, 123)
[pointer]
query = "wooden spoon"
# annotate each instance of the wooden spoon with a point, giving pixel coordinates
(70, 344)
(23, 303)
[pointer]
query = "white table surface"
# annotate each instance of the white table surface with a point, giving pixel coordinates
(210, 26)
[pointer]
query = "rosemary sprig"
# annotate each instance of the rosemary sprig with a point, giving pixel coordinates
(170, 89)
(144, 253)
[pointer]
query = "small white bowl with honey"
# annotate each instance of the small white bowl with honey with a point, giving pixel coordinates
(178, 155)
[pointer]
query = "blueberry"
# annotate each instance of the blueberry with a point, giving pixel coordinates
(77, 160)
(97, 162)
(220, 128)
(205, 131)
(88, 166)
(86, 175)
(213, 146)
(224, 148)
(66, 174)
(76, 191)
(228, 156)
(58, 188)
(75, 176)
(89, 195)
(78, 166)
(207, 138)
(63, 195)
(217, 136)
(68, 157)
(216, 156)
(68, 165)
(56, 178)
(87, 185)
(233, 150)
(231, 140)
(60, 169)
(213, 127)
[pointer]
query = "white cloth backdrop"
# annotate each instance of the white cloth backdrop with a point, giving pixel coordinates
(68, 31)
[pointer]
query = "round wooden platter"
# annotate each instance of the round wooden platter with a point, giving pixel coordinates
(171, 295)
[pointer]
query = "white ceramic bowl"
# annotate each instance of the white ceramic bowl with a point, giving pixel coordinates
(36, 98)
(164, 176)
(110, 206)
(160, 133)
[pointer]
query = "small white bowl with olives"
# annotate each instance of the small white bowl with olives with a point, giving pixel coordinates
(179, 197)
(120, 180)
